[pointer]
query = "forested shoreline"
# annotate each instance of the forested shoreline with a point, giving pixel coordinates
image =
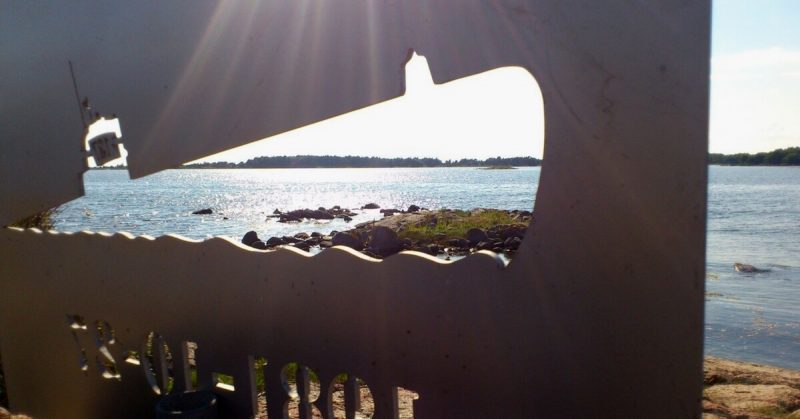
(309, 162)
(780, 157)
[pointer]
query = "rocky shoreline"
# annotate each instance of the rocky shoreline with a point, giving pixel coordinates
(443, 233)
(743, 390)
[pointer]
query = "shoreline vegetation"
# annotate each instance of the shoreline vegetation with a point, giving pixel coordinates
(778, 157)
(335, 162)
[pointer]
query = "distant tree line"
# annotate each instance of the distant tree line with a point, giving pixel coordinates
(780, 157)
(307, 162)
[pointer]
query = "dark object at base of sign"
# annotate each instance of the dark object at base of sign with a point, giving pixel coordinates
(205, 211)
(189, 405)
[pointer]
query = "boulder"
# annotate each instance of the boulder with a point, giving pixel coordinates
(299, 215)
(512, 243)
(302, 246)
(345, 239)
(249, 238)
(289, 218)
(347, 219)
(275, 241)
(743, 267)
(204, 211)
(458, 243)
(316, 234)
(413, 208)
(338, 212)
(384, 241)
(389, 211)
(302, 236)
(513, 230)
(371, 205)
(290, 239)
(476, 235)
(484, 245)
(258, 244)
(325, 244)
(277, 212)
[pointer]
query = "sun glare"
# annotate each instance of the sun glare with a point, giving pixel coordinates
(497, 113)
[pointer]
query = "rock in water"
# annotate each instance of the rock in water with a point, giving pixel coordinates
(204, 211)
(275, 241)
(384, 241)
(249, 238)
(302, 246)
(413, 208)
(371, 205)
(458, 243)
(258, 244)
(345, 239)
(299, 215)
(743, 267)
(476, 235)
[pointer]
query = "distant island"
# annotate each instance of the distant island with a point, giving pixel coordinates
(780, 157)
(335, 162)
(501, 167)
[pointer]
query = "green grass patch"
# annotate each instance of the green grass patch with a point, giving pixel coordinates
(454, 224)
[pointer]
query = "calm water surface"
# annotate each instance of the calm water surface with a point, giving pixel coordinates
(162, 203)
(754, 217)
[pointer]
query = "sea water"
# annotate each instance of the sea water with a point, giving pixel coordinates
(753, 217)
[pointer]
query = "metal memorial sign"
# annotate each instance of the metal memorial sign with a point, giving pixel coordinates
(599, 314)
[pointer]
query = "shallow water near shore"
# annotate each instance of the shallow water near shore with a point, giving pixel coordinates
(754, 217)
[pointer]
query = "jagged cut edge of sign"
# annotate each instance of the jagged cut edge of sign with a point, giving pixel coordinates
(482, 255)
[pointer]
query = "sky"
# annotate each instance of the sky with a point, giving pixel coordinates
(755, 102)
(448, 121)
(755, 75)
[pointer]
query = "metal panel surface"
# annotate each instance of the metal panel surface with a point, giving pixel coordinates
(599, 314)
